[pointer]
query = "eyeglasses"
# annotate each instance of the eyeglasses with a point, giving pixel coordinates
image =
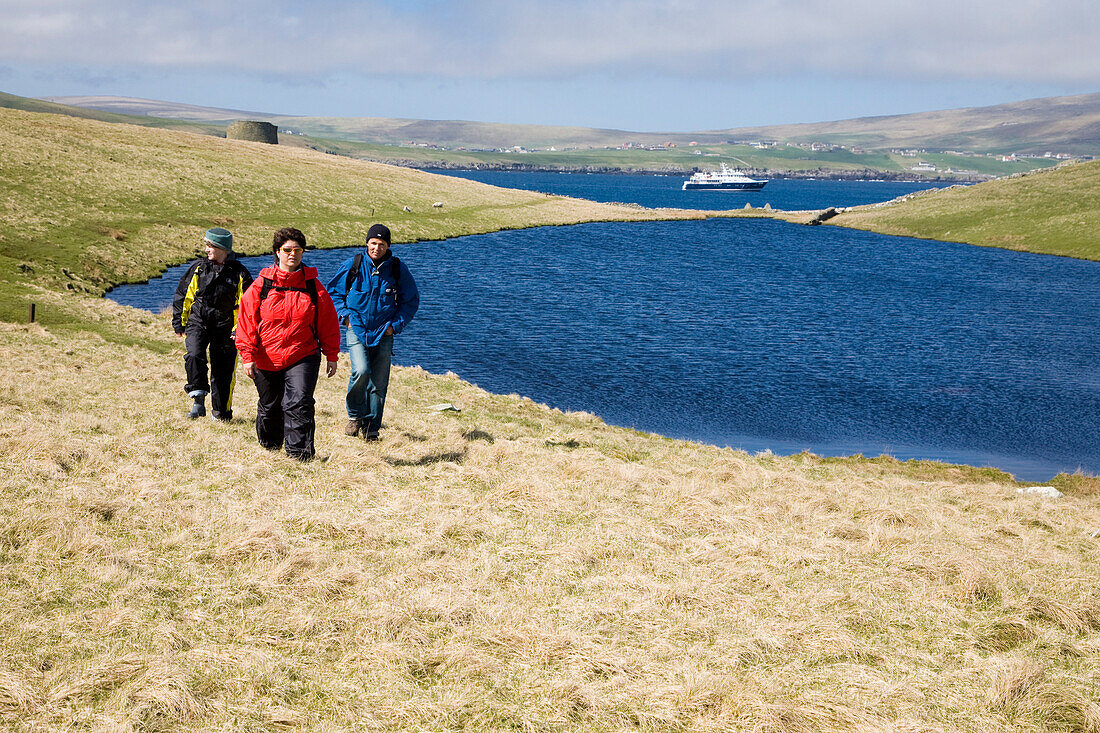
(290, 250)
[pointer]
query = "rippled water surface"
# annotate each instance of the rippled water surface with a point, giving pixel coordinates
(763, 335)
(665, 191)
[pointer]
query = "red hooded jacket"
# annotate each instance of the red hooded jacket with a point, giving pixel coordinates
(286, 321)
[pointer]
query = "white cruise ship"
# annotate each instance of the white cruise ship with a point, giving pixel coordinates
(726, 179)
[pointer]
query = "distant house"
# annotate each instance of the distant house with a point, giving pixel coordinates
(923, 166)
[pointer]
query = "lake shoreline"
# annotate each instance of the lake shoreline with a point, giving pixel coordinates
(826, 175)
(767, 408)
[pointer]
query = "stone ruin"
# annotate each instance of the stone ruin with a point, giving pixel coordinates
(257, 132)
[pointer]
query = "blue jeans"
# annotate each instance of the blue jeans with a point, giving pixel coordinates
(370, 377)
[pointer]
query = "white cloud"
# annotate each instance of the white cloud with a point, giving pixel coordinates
(1048, 42)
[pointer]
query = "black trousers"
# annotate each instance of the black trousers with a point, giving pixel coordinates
(201, 337)
(284, 413)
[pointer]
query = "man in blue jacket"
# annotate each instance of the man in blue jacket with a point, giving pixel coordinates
(375, 297)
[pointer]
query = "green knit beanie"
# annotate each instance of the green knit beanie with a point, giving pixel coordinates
(220, 238)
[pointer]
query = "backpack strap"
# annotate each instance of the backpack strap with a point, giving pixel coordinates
(311, 288)
(356, 263)
(265, 289)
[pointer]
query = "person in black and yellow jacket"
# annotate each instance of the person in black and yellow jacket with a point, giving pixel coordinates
(205, 311)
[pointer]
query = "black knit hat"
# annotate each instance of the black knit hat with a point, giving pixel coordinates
(379, 231)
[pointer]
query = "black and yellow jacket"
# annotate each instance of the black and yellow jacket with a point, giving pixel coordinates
(208, 296)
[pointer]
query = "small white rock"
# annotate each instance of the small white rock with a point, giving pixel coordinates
(438, 204)
(444, 407)
(1047, 492)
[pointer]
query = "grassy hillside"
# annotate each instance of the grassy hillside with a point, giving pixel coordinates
(503, 567)
(464, 143)
(390, 130)
(89, 204)
(1065, 124)
(10, 101)
(1050, 212)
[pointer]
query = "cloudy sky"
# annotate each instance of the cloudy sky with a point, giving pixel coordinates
(633, 64)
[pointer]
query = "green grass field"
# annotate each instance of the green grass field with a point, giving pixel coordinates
(1050, 212)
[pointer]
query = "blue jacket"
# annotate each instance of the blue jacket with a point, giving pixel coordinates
(372, 303)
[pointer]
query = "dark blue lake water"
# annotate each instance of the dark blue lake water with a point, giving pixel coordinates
(664, 191)
(759, 335)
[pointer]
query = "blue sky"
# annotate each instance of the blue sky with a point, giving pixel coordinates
(676, 65)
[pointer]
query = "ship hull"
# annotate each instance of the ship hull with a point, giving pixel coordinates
(738, 186)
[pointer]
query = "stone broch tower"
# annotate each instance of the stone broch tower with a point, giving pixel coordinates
(257, 132)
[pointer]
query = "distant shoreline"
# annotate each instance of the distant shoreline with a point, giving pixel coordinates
(770, 175)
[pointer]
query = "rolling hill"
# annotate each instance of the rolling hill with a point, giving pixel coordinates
(1065, 124)
(390, 131)
(1054, 211)
(91, 203)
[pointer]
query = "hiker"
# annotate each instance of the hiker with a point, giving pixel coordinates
(287, 321)
(375, 297)
(205, 311)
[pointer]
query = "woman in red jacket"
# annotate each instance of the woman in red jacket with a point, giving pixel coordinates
(286, 321)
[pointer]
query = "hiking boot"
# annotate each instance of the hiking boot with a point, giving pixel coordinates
(353, 427)
(198, 409)
(370, 437)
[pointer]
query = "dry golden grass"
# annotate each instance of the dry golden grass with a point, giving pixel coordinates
(504, 567)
